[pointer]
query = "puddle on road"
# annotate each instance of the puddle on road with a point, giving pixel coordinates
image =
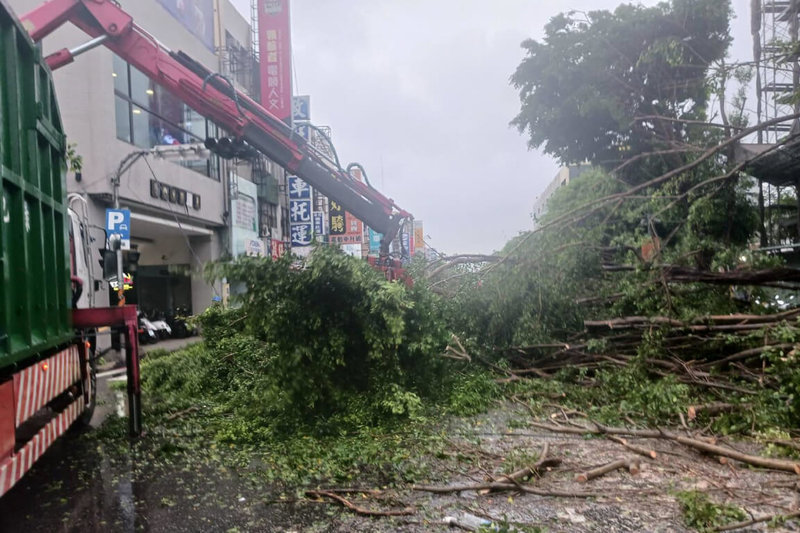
(81, 485)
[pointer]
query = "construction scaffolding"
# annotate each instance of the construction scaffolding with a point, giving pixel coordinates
(774, 26)
(774, 159)
(240, 64)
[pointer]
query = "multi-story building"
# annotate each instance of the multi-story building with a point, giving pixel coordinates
(562, 179)
(185, 212)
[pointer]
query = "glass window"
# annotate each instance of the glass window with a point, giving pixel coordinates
(194, 123)
(122, 112)
(141, 127)
(141, 88)
(147, 115)
(120, 73)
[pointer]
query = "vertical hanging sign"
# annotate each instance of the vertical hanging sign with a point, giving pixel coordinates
(275, 55)
(300, 212)
(337, 225)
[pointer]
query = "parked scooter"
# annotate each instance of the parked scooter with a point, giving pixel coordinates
(163, 330)
(147, 332)
(177, 321)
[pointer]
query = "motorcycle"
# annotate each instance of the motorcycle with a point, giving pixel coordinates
(147, 332)
(163, 330)
(177, 321)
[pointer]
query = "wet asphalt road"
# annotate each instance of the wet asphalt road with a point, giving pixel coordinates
(82, 485)
(78, 487)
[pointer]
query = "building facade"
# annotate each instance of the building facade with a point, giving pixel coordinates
(187, 211)
(562, 179)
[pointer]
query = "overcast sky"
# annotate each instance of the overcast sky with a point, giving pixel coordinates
(417, 91)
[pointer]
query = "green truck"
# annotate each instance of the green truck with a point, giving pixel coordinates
(47, 371)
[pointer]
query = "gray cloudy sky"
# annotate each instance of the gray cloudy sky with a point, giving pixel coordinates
(417, 91)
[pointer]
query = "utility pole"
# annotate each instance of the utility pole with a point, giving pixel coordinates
(166, 152)
(124, 165)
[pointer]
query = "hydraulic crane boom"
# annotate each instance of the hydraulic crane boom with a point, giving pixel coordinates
(212, 96)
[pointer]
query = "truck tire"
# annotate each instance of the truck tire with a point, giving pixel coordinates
(85, 418)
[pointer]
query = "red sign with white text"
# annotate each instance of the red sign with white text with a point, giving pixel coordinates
(278, 248)
(275, 56)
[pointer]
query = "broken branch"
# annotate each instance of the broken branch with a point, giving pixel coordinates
(319, 494)
(632, 467)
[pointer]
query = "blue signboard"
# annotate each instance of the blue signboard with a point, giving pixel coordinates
(299, 211)
(298, 189)
(118, 222)
(319, 223)
(303, 130)
(301, 234)
(301, 108)
(406, 247)
(374, 241)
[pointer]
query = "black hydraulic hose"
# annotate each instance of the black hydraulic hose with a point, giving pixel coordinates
(235, 96)
(363, 172)
(225, 88)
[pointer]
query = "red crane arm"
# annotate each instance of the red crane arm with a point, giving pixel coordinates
(195, 85)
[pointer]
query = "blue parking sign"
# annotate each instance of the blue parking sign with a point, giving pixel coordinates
(118, 222)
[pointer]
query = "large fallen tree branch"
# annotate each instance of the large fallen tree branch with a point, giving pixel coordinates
(650, 454)
(776, 517)
(735, 277)
(632, 466)
(697, 444)
(534, 470)
(462, 259)
(446, 489)
(319, 494)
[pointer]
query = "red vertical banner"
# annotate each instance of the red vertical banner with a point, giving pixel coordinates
(275, 56)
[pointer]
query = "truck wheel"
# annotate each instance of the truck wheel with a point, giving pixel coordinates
(86, 417)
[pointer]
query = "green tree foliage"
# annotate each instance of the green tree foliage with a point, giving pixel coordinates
(331, 334)
(584, 84)
(543, 288)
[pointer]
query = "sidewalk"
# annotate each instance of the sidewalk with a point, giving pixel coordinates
(114, 360)
(170, 345)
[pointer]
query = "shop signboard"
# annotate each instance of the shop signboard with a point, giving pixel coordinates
(352, 249)
(319, 224)
(197, 16)
(336, 219)
(344, 227)
(244, 215)
(374, 241)
(352, 231)
(300, 209)
(278, 248)
(355, 229)
(301, 108)
(303, 130)
(255, 248)
(275, 54)
(419, 237)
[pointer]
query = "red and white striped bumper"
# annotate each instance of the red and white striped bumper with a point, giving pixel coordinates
(15, 467)
(40, 383)
(31, 389)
